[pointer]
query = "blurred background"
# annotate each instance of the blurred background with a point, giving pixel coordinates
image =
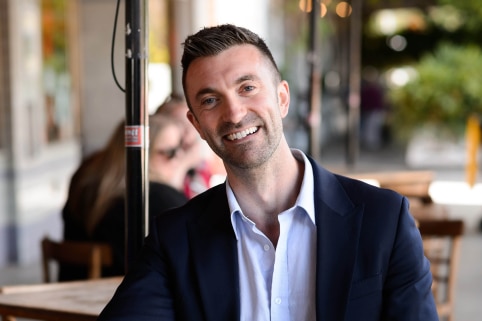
(376, 85)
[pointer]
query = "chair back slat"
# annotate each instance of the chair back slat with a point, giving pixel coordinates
(441, 241)
(441, 227)
(92, 255)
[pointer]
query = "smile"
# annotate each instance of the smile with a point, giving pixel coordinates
(242, 134)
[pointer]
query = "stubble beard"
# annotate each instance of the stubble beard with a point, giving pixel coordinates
(247, 155)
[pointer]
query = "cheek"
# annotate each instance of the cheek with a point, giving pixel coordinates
(200, 128)
(208, 126)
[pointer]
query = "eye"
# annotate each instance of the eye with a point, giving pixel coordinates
(209, 101)
(248, 88)
(168, 153)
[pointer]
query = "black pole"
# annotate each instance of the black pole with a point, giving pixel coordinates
(314, 93)
(136, 128)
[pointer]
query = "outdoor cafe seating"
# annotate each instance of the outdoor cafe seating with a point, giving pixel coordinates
(78, 300)
(83, 300)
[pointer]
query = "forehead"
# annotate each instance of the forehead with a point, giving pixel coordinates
(228, 65)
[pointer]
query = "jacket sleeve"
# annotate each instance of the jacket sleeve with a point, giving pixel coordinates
(145, 293)
(407, 288)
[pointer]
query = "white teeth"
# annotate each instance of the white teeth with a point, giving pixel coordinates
(242, 134)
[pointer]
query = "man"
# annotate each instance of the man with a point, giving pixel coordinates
(282, 239)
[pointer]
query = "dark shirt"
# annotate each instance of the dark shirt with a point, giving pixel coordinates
(111, 229)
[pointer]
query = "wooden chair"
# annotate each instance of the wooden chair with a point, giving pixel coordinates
(441, 239)
(94, 256)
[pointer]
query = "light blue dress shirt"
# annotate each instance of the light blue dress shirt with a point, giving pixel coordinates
(278, 284)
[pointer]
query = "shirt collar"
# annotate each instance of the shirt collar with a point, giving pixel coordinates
(305, 199)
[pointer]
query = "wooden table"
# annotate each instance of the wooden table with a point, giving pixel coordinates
(411, 183)
(66, 301)
(414, 184)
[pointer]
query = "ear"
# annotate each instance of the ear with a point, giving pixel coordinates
(283, 98)
(192, 118)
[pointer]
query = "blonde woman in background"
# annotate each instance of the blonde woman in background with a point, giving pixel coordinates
(96, 186)
(95, 208)
(170, 157)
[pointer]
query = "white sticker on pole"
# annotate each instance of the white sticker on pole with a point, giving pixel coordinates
(134, 136)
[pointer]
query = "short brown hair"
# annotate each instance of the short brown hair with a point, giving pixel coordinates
(214, 40)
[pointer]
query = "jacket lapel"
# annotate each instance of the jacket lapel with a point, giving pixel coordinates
(338, 223)
(214, 251)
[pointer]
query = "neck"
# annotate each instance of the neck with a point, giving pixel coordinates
(265, 192)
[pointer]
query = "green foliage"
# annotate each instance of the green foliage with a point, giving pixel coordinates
(447, 89)
(471, 11)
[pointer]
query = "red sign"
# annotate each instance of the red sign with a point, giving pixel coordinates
(134, 136)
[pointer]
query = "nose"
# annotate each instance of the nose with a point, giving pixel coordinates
(234, 109)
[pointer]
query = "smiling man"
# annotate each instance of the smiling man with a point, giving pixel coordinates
(282, 238)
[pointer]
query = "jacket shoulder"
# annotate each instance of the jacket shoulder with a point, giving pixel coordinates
(206, 205)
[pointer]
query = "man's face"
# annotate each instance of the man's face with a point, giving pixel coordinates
(237, 105)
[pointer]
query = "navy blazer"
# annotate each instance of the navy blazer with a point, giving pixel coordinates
(370, 263)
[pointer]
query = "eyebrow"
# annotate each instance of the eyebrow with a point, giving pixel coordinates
(207, 90)
(244, 78)
(210, 90)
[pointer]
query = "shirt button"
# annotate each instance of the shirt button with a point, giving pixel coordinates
(266, 247)
(277, 301)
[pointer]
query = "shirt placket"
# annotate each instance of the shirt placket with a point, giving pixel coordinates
(280, 285)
